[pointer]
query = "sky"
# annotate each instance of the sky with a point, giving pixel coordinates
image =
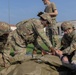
(14, 11)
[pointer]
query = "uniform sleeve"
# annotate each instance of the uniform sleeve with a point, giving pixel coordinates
(36, 34)
(37, 45)
(72, 46)
(45, 38)
(54, 6)
(39, 38)
(49, 45)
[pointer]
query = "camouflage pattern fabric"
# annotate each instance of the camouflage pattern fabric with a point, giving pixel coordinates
(52, 30)
(55, 61)
(34, 69)
(1, 59)
(66, 25)
(47, 17)
(19, 39)
(52, 59)
(30, 25)
(69, 42)
(43, 34)
(52, 33)
(18, 47)
(50, 9)
(4, 32)
(4, 28)
(60, 66)
(48, 66)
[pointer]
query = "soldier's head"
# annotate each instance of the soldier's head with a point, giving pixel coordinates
(67, 27)
(4, 32)
(4, 28)
(46, 2)
(45, 19)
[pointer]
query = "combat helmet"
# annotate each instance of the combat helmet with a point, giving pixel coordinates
(47, 17)
(66, 25)
(4, 28)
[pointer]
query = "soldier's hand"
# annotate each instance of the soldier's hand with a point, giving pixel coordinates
(45, 52)
(52, 50)
(58, 52)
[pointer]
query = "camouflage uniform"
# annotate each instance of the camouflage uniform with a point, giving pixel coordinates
(26, 33)
(4, 32)
(51, 30)
(68, 40)
(49, 26)
(50, 9)
(69, 44)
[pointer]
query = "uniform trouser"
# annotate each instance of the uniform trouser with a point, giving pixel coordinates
(19, 56)
(52, 33)
(19, 53)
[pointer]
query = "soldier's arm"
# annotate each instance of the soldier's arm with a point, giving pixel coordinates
(43, 40)
(39, 47)
(55, 11)
(36, 44)
(72, 46)
(7, 49)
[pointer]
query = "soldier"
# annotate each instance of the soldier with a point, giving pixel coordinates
(51, 30)
(4, 32)
(68, 42)
(27, 32)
